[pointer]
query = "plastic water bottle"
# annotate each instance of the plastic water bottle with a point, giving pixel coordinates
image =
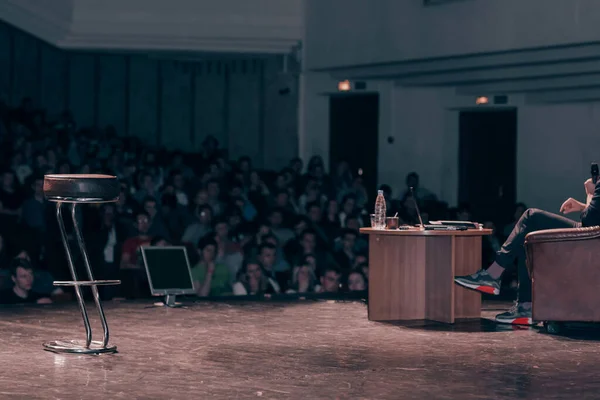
(380, 210)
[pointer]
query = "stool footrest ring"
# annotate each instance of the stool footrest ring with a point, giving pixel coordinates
(87, 283)
(78, 347)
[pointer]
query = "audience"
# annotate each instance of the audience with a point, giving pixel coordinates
(255, 232)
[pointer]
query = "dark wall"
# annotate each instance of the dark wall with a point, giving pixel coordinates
(242, 100)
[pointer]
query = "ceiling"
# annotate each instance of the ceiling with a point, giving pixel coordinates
(246, 26)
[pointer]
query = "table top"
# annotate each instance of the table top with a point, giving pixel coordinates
(418, 232)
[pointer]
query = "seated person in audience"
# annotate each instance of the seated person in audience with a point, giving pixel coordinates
(266, 256)
(312, 193)
(221, 229)
(345, 256)
(213, 189)
(276, 219)
(105, 242)
(304, 280)
(283, 204)
(201, 226)
(315, 215)
(488, 280)
(43, 281)
(174, 216)
(308, 245)
(133, 274)
(253, 281)
(331, 220)
(129, 256)
(354, 222)
(232, 260)
(178, 179)
(210, 278)
(147, 187)
(422, 194)
(21, 292)
(158, 226)
(330, 280)
(245, 207)
(357, 281)
(254, 237)
(348, 207)
(292, 246)
(33, 215)
(280, 265)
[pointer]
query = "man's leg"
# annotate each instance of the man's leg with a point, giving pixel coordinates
(488, 281)
(532, 220)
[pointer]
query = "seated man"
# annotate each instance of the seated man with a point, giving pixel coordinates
(488, 280)
(22, 276)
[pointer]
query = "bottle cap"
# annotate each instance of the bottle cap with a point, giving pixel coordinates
(380, 192)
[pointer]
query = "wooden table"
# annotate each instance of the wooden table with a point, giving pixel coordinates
(411, 274)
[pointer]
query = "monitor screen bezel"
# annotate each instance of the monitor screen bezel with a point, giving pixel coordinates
(162, 292)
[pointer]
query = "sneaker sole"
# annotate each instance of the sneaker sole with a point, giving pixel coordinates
(479, 288)
(516, 321)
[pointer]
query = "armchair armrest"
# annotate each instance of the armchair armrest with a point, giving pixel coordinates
(563, 235)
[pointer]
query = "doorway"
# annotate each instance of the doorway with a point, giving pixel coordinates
(488, 163)
(353, 136)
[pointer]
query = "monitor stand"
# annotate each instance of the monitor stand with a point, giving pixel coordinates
(169, 301)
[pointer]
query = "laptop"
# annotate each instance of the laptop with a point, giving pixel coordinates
(168, 270)
(437, 226)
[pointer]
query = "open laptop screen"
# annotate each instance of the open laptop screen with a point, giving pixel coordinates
(168, 270)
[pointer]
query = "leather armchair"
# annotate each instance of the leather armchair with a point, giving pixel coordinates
(564, 265)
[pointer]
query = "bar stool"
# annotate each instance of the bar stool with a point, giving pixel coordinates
(81, 189)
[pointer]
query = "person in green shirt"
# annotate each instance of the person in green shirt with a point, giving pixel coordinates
(210, 278)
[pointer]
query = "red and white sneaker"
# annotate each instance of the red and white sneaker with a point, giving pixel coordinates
(480, 281)
(517, 315)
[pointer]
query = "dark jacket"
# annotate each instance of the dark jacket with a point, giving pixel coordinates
(591, 215)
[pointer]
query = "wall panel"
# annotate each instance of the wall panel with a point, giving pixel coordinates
(5, 62)
(143, 98)
(82, 86)
(112, 92)
(244, 105)
(176, 105)
(209, 110)
(53, 82)
(26, 67)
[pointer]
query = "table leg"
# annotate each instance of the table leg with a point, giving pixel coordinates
(467, 260)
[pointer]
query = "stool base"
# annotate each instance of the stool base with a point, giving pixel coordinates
(78, 347)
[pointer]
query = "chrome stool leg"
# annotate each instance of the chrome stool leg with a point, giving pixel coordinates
(91, 276)
(87, 346)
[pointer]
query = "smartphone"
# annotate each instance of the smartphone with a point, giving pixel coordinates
(595, 172)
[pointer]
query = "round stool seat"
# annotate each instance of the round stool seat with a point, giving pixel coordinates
(82, 188)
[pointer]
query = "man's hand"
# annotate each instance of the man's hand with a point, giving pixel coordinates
(571, 206)
(590, 187)
(44, 300)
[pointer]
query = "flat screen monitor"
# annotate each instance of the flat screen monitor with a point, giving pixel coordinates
(168, 270)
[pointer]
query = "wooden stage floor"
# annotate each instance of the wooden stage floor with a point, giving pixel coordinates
(299, 350)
